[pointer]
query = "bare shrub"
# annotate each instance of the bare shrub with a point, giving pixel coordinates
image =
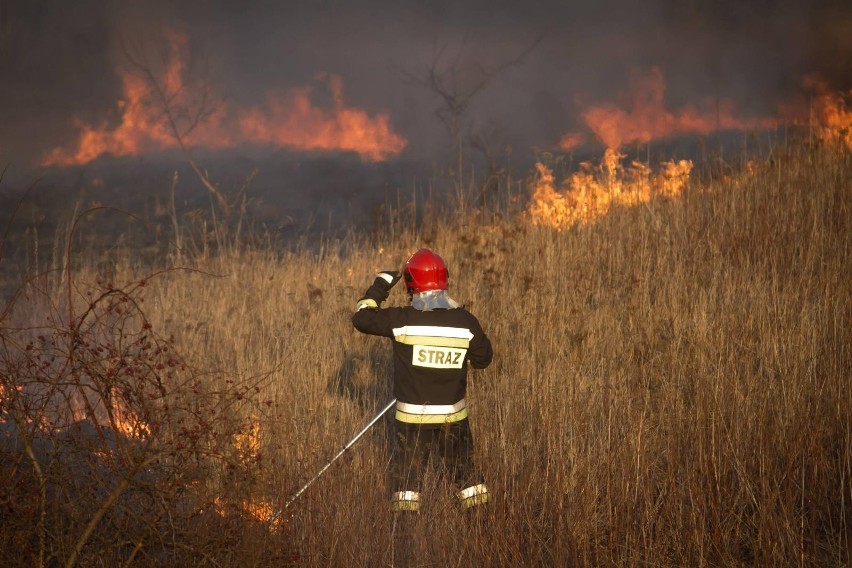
(115, 447)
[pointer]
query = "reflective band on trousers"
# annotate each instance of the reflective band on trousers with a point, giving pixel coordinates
(473, 495)
(431, 413)
(406, 501)
(406, 496)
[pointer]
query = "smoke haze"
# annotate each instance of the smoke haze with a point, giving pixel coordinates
(60, 63)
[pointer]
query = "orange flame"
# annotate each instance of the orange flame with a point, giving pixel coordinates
(294, 122)
(140, 128)
(646, 117)
(590, 193)
(128, 138)
(117, 416)
(571, 141)
(288, 121)
(831, 114)
(6, 395)
(260, 510)
(247, 442)
(114, 415)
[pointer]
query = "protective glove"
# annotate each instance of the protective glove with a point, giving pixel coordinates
(387, 278)
(380, 290)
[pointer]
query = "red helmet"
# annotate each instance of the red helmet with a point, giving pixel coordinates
(425, 271)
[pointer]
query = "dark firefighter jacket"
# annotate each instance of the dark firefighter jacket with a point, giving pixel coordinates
(431, 349)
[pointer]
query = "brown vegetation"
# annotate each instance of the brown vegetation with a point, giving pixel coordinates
(670, 388)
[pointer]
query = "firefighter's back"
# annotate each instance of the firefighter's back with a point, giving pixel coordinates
(432, 350)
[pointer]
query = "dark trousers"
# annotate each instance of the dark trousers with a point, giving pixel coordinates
(448, 447)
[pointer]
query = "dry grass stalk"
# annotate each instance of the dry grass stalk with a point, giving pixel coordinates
(670, 387)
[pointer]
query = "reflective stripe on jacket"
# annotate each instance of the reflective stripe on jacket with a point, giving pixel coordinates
(431, 351)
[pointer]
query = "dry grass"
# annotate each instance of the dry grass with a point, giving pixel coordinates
(671, 385)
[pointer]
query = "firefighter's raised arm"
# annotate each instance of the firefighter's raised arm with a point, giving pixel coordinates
(368, 317)
(379, 291)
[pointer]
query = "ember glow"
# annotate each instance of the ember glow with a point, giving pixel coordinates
(159, 111)
(642, 116)
(247, 442)
(260, 510)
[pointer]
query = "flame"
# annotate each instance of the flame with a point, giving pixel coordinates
(673, 177)
(589, 193)
(571, 141)
(260, 510)
(646, 118)
(7, 394)
(140, 128)
(288, 120)
(831, 114)
(128, 138)
(247, 442)
(117, 416)
(293, 121)
(128, 423)
(84, 407)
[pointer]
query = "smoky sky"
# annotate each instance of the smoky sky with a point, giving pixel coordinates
(58, 58)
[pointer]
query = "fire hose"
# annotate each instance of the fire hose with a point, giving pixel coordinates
(348, 445)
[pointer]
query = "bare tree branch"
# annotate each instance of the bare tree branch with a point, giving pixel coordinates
(175, 115)
(444, 78)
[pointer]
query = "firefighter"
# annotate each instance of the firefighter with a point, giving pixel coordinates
(434, 340)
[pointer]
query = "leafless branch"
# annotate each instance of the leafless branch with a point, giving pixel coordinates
(445, 78)
(174, 116)
(442, 78)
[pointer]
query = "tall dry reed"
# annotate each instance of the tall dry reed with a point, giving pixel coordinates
(671, 383)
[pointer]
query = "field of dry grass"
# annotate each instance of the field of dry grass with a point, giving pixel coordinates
(671, 387)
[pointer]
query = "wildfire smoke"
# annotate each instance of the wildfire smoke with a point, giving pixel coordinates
(163, 110)
(642, 116)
